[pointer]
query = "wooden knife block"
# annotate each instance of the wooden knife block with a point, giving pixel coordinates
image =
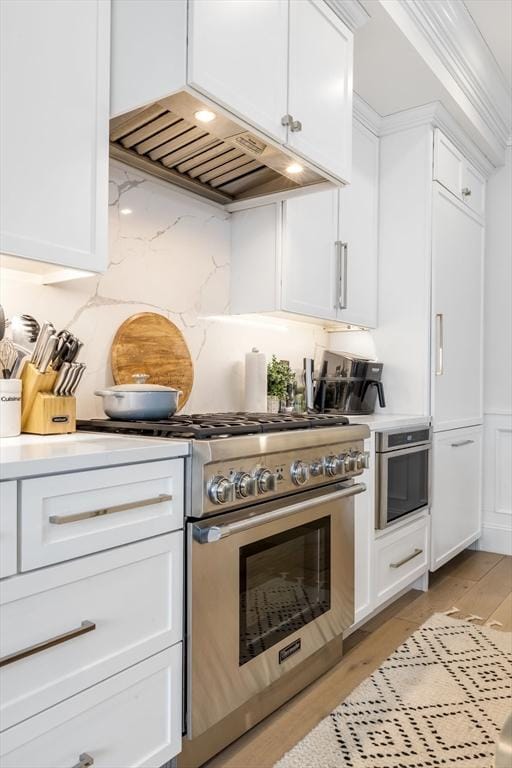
(43, 413)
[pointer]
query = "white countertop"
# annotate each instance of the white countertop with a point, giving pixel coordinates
(378, 421)
(30, 455)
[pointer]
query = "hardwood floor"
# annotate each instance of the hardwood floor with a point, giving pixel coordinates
(475, 582)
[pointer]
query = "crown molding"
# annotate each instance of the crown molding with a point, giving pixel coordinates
(351, 12)
(437, 116)
(366, 115)
(449, 41)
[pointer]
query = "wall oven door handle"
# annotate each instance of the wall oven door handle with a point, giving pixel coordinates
(217, 532)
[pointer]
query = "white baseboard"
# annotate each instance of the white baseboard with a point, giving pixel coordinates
(496, 538)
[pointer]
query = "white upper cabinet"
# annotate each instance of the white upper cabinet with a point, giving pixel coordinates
(310, 247)
(320, 86)
(453, 171)
(54, 131)
(237, 56)
(457, 278)
(282, 68)
(313, 255)
(358, 231)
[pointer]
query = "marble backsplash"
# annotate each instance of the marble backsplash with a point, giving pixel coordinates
(168, 253)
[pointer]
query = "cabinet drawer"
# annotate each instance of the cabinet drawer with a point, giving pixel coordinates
(79, 513)
(8, 528)
(131, 720)
(401, 557)
(106, 611)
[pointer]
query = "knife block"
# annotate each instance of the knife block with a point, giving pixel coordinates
(43, 413)
(33, 382)
(51, 415)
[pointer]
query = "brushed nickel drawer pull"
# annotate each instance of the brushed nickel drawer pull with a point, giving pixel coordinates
(61, 519)
(85, 761)
(461, 443)
(406, 559)
(85, 626)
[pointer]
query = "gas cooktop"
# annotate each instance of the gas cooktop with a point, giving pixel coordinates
(205, 426)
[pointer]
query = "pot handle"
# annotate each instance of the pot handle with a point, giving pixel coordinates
(105, 392)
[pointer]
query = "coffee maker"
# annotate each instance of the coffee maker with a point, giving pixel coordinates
(348, 384)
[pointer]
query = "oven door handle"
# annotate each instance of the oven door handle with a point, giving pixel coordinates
(217, 532)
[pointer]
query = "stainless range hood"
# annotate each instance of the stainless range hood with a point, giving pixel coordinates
(220, 159)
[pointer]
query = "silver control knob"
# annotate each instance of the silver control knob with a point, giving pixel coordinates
(220, 490)
(366, 459)
(245, 485)
(342, 463)
(332, 465)
(359, 459)
(299, 472)
(348, 463)
(266, 481)
(316, 468)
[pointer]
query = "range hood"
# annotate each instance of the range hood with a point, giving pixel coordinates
(220, 160)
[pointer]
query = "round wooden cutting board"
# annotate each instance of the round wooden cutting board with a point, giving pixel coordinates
(149, 343)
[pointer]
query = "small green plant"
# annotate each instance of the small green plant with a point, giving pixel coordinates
(279, 376)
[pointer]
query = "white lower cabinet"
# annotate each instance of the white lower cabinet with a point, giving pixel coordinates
(131, 720)
(86, 620)
(401, 557)
(364, 526)
(456, 496)
(8, 528)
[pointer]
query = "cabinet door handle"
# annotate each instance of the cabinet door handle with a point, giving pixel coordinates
(466, 192)
(406, 559)
(62, 519)
(85, 761)
(295, 126)
(440, 344)
(85, 626)
(342, 251)
(461, 443)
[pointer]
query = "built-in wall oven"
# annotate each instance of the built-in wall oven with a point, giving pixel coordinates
(403, 467)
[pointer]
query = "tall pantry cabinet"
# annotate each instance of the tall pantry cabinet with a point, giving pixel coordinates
(430, 316)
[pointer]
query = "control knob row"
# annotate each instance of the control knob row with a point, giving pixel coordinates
(243, 485)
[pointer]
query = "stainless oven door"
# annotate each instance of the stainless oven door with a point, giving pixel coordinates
(267, 588)
(403, 483)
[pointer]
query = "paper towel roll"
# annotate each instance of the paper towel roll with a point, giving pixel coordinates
(255, 381)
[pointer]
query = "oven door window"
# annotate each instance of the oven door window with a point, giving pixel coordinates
(407, 483)
(285, 583)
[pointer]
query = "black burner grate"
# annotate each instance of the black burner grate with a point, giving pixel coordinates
(205, 426)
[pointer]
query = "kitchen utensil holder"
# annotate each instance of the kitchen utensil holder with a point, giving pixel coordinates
(43, 413)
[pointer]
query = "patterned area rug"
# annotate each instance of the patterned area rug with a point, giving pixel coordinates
(439, 700)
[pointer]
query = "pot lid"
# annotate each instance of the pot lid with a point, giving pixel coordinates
(140, 385)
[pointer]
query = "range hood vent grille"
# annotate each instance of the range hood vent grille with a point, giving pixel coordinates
(223, 168)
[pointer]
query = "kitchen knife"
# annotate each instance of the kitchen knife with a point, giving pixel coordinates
(47, 353)
(72, 376)
(78, 379)
(44, 334)
(61, 378)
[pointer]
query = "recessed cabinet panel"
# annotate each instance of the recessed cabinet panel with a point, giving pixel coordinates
(8, 528)
(456, 493)
(54, 130)
(457, 274)
(311, 255)
(131, 720)
(448, 164)
(320, 86)
(358, 230)
(237, 56)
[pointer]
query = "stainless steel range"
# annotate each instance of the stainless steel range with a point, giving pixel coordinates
(270, 560)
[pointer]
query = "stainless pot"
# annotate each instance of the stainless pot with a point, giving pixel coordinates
(140, 400)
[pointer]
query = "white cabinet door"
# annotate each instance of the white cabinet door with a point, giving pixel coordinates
(358, 231)
(8, 528)
(457, 276)
(456, 493)
(320, 86)
(364, 527)
(54, 130)
(453, 171)
(310, 249)
(237, 57)
(132, 719)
